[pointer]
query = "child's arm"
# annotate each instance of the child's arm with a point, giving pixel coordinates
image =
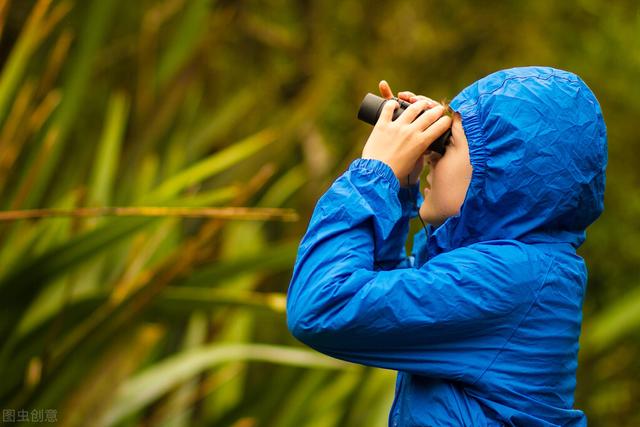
(447, 319)
(391, 254)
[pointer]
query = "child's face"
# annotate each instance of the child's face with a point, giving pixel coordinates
(449, 177)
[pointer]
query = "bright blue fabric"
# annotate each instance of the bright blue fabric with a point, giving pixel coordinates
(482, 322)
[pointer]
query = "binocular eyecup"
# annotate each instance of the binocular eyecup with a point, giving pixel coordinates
(370, 110)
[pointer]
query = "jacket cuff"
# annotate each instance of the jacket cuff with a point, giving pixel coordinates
(391, 223)
(378, 167)
(410, 197)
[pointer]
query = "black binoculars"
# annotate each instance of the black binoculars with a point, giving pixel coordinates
(371, 107)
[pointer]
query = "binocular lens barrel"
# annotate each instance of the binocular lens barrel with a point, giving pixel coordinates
(370, 110)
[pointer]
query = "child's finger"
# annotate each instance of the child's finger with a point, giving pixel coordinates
(405, 95)
(385, 89)
(387, 111)
(435, 130)
(415, 98)
(428, 117)
(412, 112)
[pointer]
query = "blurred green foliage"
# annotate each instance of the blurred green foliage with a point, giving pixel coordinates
(174, 321)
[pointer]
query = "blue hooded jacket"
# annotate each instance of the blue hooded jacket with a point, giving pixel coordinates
(482, 321)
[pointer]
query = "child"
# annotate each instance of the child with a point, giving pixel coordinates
(482, 322)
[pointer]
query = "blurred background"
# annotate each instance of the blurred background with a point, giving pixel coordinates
(157, 319)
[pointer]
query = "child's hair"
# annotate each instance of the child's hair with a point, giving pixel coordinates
(447, 109)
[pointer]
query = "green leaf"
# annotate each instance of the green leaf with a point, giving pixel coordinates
(152, 383)
(107, 156)
(618, 320)
(185, 40)
(212, 165)
(23, 282)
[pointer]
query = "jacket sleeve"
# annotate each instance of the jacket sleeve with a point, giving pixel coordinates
(447, 319)
(391, 253)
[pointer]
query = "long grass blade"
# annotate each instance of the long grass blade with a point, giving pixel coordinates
(214, 164)
(152, 383)
(233, 213)
(185, 42)
(20, 55)
(4, 8)
(104, 172)
(618, 320)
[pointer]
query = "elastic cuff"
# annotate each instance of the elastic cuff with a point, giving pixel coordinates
(378, 167)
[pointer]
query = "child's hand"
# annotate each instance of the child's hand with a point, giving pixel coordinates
(385, 91)
(401, 144)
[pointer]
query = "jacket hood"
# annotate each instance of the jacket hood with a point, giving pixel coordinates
(538, 148)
